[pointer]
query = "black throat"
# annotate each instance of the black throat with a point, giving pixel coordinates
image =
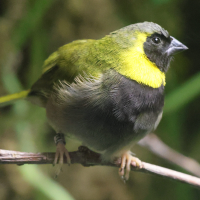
(130, 98)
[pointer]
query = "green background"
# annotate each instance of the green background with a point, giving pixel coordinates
(29, 32)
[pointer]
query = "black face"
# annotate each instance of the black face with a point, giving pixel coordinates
(155, 49)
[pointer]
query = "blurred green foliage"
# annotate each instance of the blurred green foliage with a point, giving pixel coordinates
(29, 32)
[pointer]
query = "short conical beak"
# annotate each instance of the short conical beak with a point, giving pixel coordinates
(175, 47)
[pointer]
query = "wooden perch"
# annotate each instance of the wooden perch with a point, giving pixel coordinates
(88, 158)
(159, 148)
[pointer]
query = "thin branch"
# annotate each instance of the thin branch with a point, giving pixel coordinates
(155, 145)
(89, 158)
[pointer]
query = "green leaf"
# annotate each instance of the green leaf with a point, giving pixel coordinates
(183, 95)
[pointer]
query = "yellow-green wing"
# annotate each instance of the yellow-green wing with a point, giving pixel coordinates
(65, 64)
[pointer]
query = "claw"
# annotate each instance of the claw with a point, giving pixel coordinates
(126, 161)
(61, 151)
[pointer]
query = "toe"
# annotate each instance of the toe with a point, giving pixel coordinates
(56, 158)
(61, 158)
(68, 157)
(136, 162)
(123, 164)
(61, 151)
(126, 161)
(128, 169)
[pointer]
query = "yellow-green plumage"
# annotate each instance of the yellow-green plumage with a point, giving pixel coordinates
(13, 97)
(106, 93)
(122, 51)
(93, 57)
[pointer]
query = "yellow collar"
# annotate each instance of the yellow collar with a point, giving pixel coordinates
(135, 65)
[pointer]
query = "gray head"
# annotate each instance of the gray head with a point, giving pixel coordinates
(158, 46)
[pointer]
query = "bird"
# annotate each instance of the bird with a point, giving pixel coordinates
(106, 93)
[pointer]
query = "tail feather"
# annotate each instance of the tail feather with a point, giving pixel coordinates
(8, 99)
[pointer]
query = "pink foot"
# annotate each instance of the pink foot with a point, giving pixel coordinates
(126, 161)
(61, 151)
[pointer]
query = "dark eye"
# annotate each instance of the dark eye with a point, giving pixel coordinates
(156, 40)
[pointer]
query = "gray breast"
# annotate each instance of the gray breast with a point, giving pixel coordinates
(107, 113)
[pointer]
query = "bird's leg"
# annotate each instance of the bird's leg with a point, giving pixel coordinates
(61, 151)
(126, 161)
